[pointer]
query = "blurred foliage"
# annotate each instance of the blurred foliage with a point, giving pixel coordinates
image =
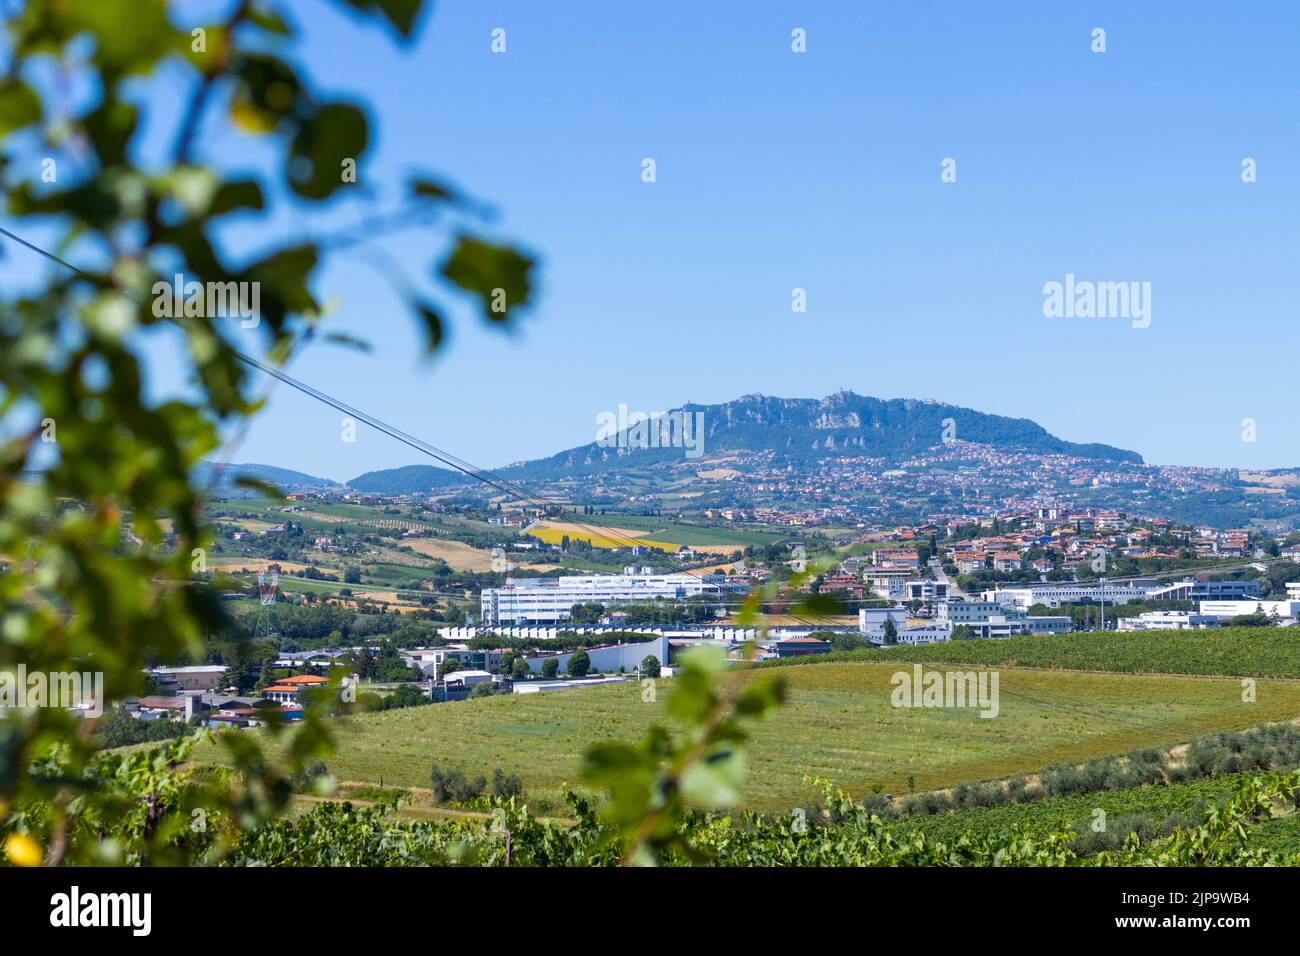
(101, 529)
(840, 833)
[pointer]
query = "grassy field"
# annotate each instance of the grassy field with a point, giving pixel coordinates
(1238, 651)
(838, 724)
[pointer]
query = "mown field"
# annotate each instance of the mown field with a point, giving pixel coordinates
(838, 724)
(1232, 651)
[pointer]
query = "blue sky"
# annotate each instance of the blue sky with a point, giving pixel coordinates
(822, 171)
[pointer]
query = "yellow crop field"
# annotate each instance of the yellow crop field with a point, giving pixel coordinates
(554, 532)
(617, 538)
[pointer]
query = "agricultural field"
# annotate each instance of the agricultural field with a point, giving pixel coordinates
(838, 724)
(652, 532)
(457, 554)
(1229, 651)
(1154, 804)
(598, 536)
(230, 564)
(695, 535)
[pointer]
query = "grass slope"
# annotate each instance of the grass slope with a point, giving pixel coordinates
(1231, 651)
(838, 724)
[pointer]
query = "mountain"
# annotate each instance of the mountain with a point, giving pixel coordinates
(802, 431)
(284, 479)
(408, 480)
(794, 431)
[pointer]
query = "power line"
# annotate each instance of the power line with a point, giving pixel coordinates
(447, 458)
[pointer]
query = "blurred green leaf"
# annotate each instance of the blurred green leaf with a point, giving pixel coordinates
(348, 341)
(19, 106)
(715, 782)
(423, 187)
(432, 322)
(238, 194)
(269, 19)
(402, 14)
(267, 92)
(259, 485)
(333, 133)
(498, 275)
(817, 605)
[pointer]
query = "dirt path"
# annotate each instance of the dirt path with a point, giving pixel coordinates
(413, 810)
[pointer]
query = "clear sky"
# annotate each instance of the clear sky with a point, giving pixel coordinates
(821, 170)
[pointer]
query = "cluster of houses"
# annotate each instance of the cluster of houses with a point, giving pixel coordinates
(784, 519)
(1077, 537)
(184, 693)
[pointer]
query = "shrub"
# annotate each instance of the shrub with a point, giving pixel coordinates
(504, 786)
(453, 785)
(579, 664)
(304, 778)
(1016, 788)
(879, 804)
(1060, 780)
(927, 804)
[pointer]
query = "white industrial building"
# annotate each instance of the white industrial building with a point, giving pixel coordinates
(1054, 595)
(1166, 621)
(560, 633)
(549, 600)
(610, 657)
(925, 634)
(985, 618)
(1284, 611)
(871, 620)
(543, 686)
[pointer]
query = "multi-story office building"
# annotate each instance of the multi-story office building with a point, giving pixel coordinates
(549, 600)
(985, 618)
(1048, 624)
(995, 619)
(927, 591)
(887, 582)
